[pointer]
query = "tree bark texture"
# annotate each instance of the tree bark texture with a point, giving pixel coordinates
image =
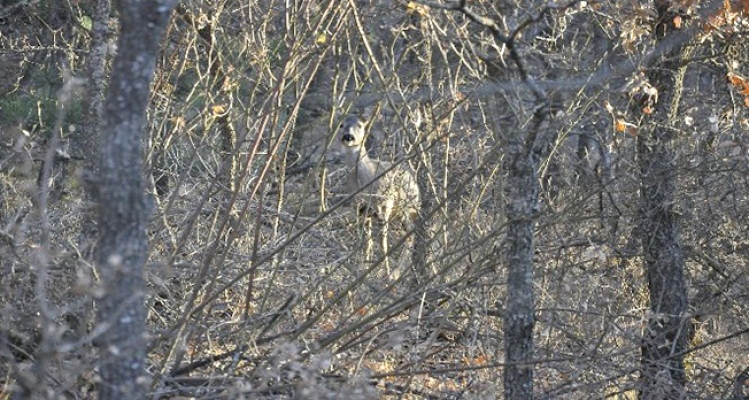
(668, 328)
(89, 140)
(123, 206)
(522, 207)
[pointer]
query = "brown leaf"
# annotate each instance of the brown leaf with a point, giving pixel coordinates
(735, 79)
(620, 125)
(625, 127)
(743, 7)
(741, 84)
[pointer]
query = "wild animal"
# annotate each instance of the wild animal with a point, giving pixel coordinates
(385, 191)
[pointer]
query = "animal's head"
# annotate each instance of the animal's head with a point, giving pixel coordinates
(351, 133)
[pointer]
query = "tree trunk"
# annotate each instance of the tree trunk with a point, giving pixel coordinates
(666, 335)
(522, 207)
(123, 206)
(88, 141)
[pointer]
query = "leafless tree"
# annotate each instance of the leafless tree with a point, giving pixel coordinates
(124, 208)
(668, 328)
(554, 188)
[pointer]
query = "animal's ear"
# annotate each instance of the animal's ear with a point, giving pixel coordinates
(337, 121)
(339, 116)
(368, 113)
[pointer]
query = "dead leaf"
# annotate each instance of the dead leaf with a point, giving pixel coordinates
(218, 109)
(415, 8)
(621, 125)
(741, 84)
(625, 127)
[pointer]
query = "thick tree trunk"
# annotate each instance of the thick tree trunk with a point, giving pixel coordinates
(123, 207)
(666, 335)
(522, 207)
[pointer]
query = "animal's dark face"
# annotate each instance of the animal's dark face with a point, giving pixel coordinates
(351, 131)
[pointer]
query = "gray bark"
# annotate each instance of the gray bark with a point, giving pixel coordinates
(88, 142)
(123, 206)
(668, 328)
(522, 207)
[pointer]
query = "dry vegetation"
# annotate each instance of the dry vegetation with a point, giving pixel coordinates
(258, 284)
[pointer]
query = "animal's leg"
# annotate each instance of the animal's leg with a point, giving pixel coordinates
(368, 228)
(385, 246)
(386, 215)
